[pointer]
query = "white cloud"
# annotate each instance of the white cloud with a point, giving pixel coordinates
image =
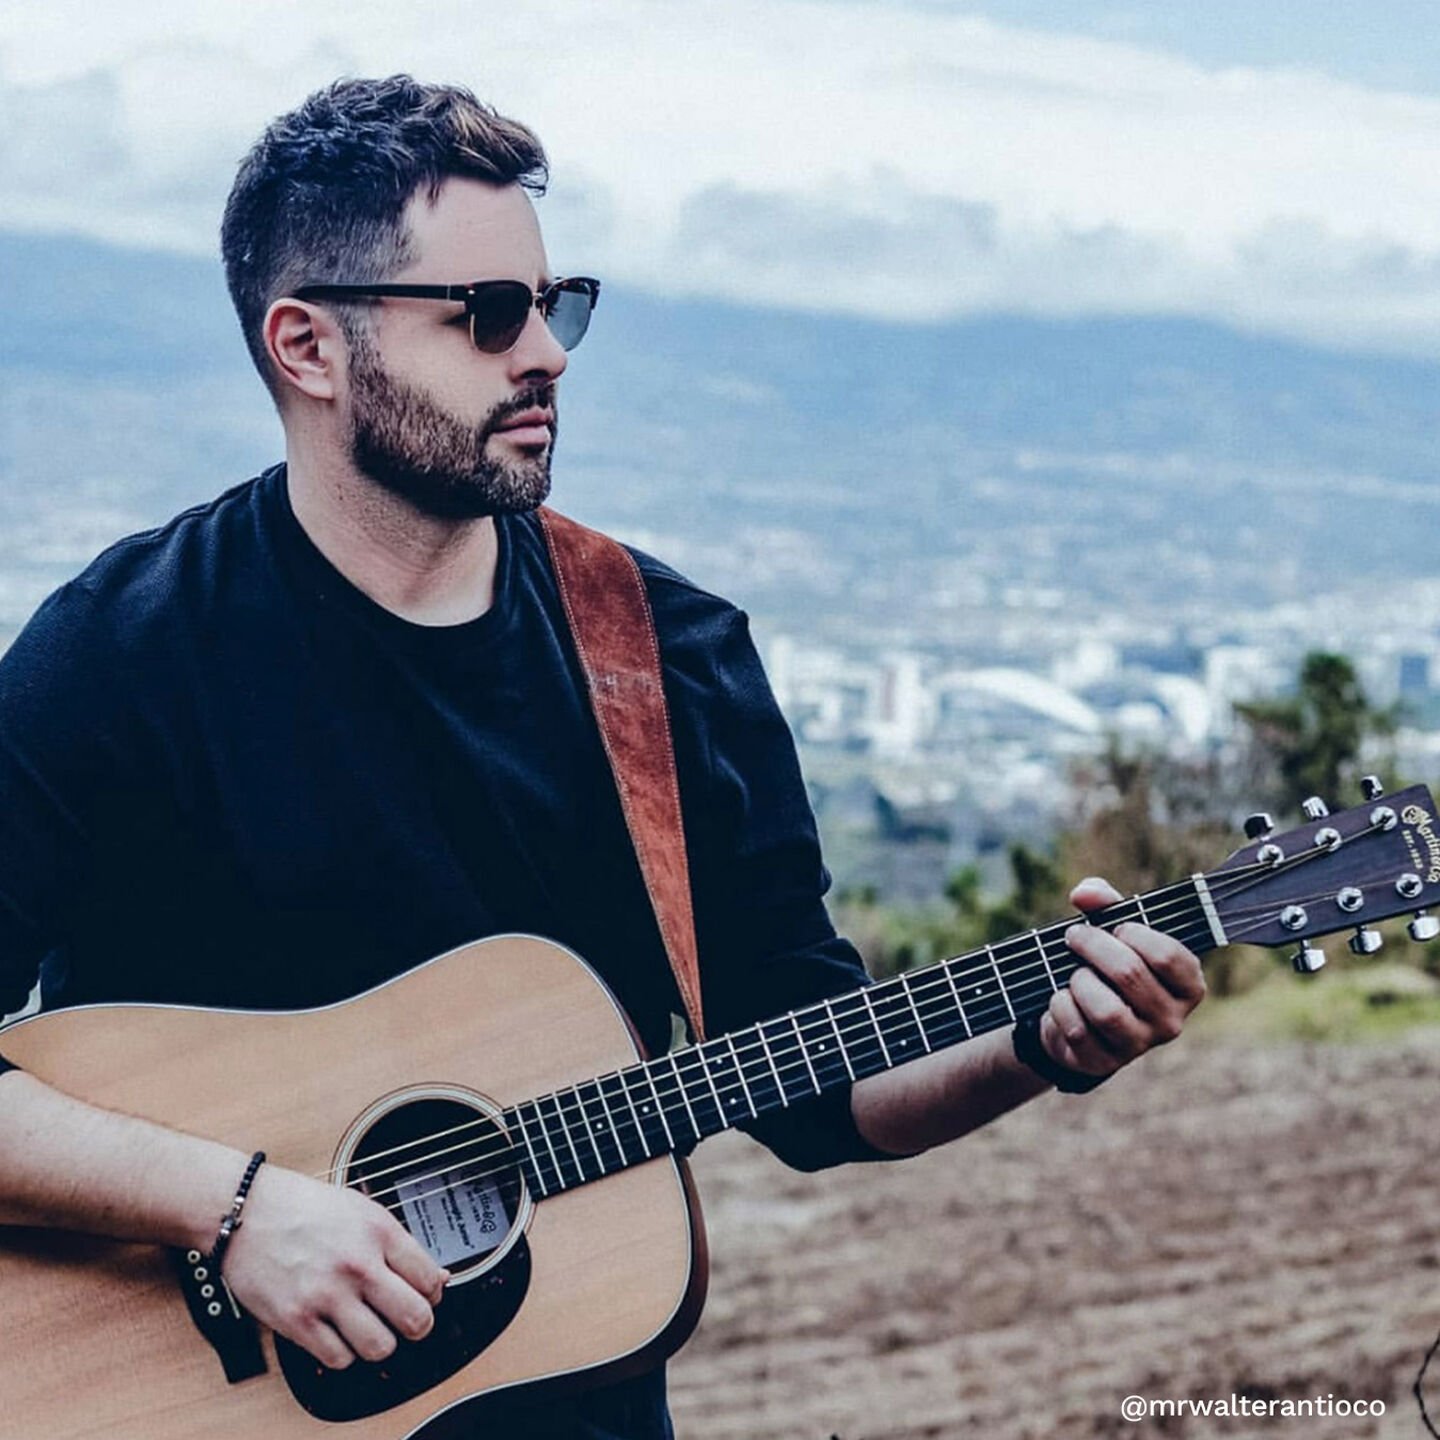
(857, 156)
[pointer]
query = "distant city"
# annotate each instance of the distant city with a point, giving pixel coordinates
(972, 554)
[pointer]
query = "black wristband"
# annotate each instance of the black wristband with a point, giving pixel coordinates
(235, 1219)
(1030, 1051)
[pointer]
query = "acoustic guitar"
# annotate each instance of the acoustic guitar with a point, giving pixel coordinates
(494, 1099)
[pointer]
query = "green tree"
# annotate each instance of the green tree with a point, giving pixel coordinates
(1315, 739)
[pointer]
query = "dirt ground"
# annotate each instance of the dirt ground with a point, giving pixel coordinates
(1262, 1221)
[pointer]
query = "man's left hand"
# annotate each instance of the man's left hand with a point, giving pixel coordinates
(1134, 991)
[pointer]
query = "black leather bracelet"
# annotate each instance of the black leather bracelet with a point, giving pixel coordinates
(1030, 1051)
(236, 1216)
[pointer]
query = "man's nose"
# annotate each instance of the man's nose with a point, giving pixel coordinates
(537, 352)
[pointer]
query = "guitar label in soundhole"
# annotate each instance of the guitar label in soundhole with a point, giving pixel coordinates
(440, 1161)
(438, 1158)
(456, 1218)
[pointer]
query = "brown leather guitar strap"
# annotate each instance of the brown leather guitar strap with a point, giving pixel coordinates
(614, 633)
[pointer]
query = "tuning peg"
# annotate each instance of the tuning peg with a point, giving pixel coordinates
(1371, 788)
(1314, 808)
(1365, 941)
(1423, 927)
(1308, 959)
(1258, 826)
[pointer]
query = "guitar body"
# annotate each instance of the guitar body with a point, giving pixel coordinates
(605, 1280)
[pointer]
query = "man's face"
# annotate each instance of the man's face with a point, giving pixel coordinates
(433, 419)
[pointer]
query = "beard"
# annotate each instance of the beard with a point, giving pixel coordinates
(435, 462)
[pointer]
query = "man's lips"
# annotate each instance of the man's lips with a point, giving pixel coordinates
(529, 427)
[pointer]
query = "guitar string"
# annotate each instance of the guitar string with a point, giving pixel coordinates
(922, 982)
(912, 993)
(478, 1122)
(570, 1108)
(512, 1155)
(511, 1152)
(928, 975)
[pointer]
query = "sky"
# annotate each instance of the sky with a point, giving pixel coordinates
(1273, 167)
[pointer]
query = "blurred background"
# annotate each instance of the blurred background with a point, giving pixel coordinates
(1055, 386)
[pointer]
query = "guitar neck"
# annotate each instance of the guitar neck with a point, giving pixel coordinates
(573, 1136)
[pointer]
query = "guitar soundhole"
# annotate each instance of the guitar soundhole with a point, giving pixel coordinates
(444, 1168)
(439, 1160)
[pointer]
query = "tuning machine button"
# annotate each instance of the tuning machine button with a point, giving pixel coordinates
(1423, 927)
(1314, 808)
(1308, 959)
(1365, 941)
(1370, 787)
(1294, 917)
(1259, 826)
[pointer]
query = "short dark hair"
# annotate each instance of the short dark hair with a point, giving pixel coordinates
(322, 194)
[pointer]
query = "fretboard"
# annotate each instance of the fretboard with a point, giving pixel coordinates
(595, 1128)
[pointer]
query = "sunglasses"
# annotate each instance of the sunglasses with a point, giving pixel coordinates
(498, 309)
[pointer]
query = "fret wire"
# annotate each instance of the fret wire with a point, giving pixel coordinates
(839, 1039)
(610, 1119)
(914, 1010)
(589, 1128)
(623, 1090)
(945, 966)
(717, 1089)
(659, 1108)
(830, 1056)
(1140, 906)
(680, 1081)
(634, 1114)
(805, 1053)
(710, 1080)
(1000, 981)
(740, 1075)
(569, 1132)
(545, 1136)
(554, 1099)
(732, 1091)
(1045, 960)
(530, 1150)
(874, 1021)
(779, 1083)
(890, 1000)
(603, 1127)
(691, 1053)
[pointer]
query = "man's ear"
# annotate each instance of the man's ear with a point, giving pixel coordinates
(306, 347)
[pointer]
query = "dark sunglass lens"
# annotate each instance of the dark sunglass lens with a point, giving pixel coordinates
(498, 313)
(570, 316)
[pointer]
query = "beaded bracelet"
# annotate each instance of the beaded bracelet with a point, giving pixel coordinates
(1030, 1050)
(233, 1221)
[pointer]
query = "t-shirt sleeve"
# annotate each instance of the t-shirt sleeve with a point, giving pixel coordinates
(766, 942)
(59, 757)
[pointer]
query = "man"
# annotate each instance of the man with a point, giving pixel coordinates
(306, 736)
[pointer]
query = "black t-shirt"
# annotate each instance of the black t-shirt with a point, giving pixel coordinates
(228, 777)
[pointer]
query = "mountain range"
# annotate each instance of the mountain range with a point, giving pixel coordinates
(830, 470)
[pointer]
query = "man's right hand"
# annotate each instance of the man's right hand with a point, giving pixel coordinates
(330, 1270)
(327, 1268)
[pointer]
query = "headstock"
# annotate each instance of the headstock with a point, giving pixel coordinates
(1376, 860)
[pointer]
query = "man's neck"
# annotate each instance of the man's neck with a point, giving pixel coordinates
(427, 571)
